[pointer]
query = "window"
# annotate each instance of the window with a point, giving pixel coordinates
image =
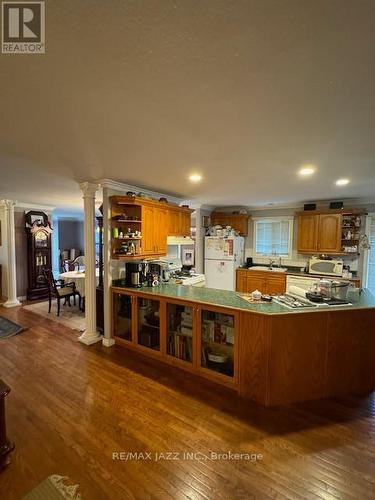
(273, 236)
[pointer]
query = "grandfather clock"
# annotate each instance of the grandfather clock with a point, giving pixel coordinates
(39, 233)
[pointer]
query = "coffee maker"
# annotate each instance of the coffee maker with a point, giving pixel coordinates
(134, 274)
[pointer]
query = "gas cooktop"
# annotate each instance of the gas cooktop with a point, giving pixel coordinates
(293, 302)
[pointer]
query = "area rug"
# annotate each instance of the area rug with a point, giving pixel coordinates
(54, 488)
(8, 328)
(71, 317)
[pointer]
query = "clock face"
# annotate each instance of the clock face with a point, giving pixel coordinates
(41, 239)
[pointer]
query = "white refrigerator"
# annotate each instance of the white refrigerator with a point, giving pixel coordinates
(222, 256)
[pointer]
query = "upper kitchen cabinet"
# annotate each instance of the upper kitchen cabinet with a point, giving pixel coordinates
(308, 233)
(179, 221)
(238, 222)
(319, 232)
(140, 226)
(329, 233)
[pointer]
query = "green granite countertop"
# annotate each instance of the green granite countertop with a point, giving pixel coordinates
(232, 300)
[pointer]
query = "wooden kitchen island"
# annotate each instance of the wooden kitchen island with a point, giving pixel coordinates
(267, 353)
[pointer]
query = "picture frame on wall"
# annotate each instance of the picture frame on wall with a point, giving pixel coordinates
(188, 257)
(205, 220)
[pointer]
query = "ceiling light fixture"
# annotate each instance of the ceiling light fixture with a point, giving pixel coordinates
(342, 182)
(307, 170)
(195, 177)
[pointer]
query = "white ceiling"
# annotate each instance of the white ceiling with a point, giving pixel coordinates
(146, 92)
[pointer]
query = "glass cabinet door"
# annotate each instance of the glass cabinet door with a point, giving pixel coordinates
(180, 331)
(123, 316)
(217, 344)
(149, 323)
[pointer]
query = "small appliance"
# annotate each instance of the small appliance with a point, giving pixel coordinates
(326, 267)
(161, 269)
(249, 262)
(309, 206)
(336, 205)
(133, 274)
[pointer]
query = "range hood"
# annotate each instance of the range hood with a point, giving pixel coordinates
(180, 240)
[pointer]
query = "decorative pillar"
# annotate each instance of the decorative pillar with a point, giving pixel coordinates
(11, 272)
(199, 241)
(90, 335)
(108, 339)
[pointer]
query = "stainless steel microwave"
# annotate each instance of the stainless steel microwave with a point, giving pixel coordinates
(325, 267)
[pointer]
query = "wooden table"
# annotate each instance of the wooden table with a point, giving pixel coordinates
(78, 278)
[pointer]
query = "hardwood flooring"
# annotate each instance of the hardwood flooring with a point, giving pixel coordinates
(72, 406)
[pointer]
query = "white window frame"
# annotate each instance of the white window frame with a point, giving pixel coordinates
(290, 219)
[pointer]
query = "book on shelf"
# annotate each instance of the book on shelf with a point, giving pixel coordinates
(180, 347)
(187, 323)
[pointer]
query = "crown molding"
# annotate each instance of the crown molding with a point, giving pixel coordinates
(123, 188)
(348, 202)
(32, 206)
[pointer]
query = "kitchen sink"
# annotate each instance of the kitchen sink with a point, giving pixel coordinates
(266, 268)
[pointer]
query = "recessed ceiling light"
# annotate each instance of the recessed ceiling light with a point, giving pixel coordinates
(307, 170)
(342, 182)
(195, 177)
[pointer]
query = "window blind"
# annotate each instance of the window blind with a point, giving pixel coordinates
(272, 237)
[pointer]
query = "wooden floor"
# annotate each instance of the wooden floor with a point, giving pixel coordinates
(72, 406)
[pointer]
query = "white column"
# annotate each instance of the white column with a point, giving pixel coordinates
(55, 247)
(108, 339)
(11, 274)
(199, 241)
(90, 335)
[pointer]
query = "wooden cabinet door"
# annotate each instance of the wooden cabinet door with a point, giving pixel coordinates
(219, 219)
(329, 233)
(161, 230)
(180, 338)
(217, 336)
(255, 283)
(185, 223)
(148, 231)
(308, 233)
(275, 285)
(241, 281)
(174, 223)
(241, 225)
(123, 314)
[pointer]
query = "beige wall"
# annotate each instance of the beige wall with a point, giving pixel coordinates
(3, 254)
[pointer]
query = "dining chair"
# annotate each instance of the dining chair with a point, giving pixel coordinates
(60, 290)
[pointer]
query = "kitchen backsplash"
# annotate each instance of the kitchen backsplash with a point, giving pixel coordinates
(298, 260)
